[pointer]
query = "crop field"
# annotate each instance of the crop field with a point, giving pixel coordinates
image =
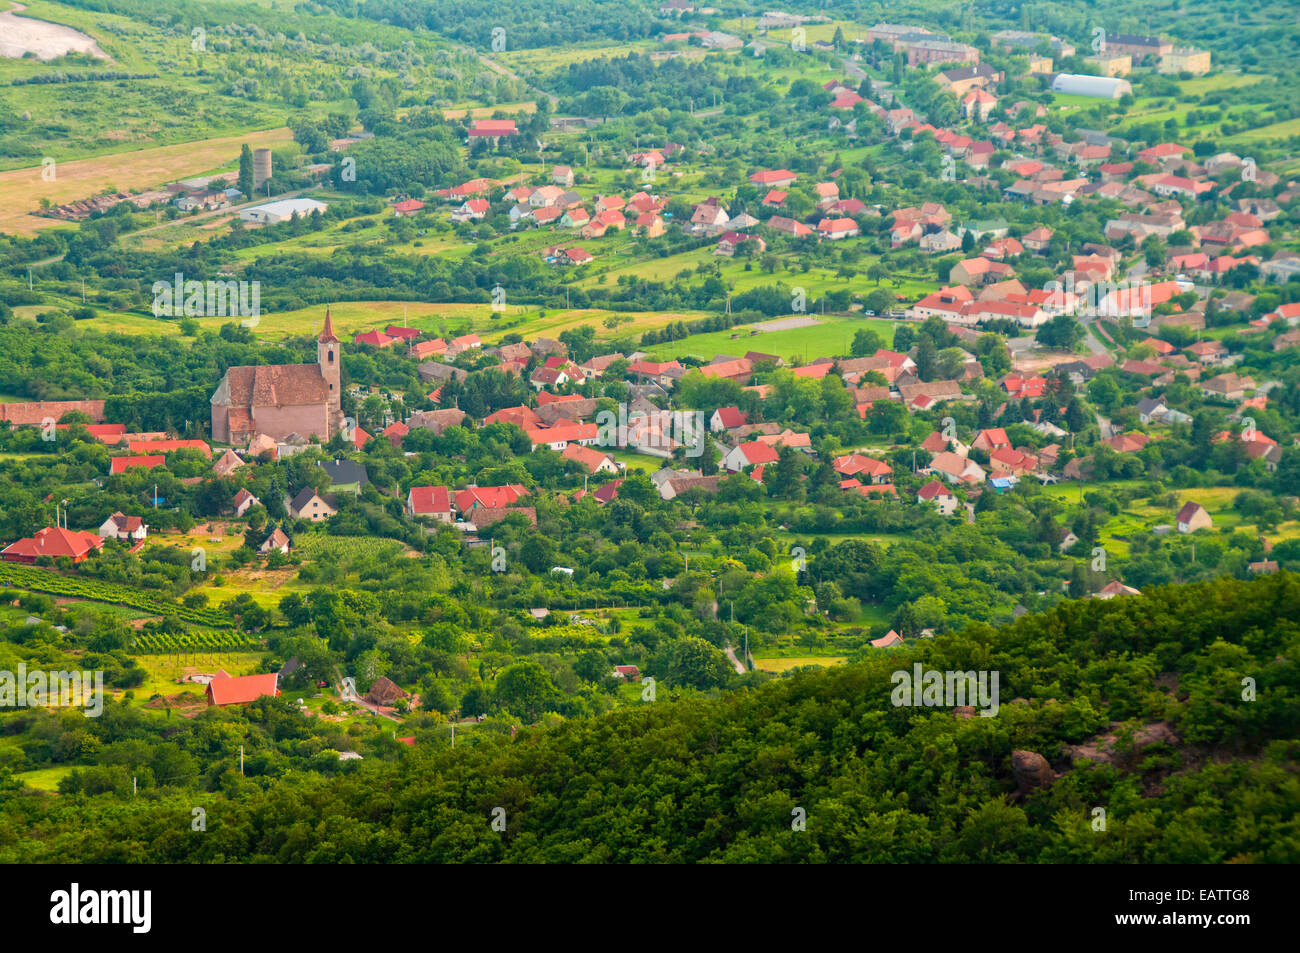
(21, 190)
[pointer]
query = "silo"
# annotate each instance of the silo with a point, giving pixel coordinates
(261, 166)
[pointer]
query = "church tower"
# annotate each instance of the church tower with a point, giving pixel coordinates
(328, 356)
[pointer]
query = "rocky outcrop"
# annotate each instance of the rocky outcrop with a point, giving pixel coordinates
(1031, 770)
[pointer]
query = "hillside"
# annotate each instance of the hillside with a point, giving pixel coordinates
(1204, 778)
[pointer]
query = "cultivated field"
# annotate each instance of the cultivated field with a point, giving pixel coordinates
(21, 190)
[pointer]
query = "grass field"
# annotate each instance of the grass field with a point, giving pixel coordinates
(162, 672)
(21, 190)
(45, 779)
(833, 336)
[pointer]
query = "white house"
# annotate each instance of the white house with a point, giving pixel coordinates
(244, 501)
(119, 526)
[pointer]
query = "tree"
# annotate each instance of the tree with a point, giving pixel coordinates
(880, 301)
(927, 358)
(1061, 332)
(865, 343)
(245, 183)
(694, 662)
(525, 689)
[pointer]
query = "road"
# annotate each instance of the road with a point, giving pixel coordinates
(736, 663)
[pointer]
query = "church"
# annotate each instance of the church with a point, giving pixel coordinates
(282, 399)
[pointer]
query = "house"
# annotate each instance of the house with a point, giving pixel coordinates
(244, 501)
(789, 226)
(593, 461)
(492, 129)
(939, 242)
(54, 542)
(120, 526)
(431, 501)
(345, 474)
(856, 465)
(1115, 588)
(562, 175)
(724, 418)
(475, 498)
(1208, 352)
(888, 640)
(833, 229)
(227, 463)
(276, 542)
(227, 690)
(1193, 517)
(407, 207)
(280, 399)
(774, 178)
(751, 454)
(487, 516)
(307, 505)
(990, 440)
(1068, 540)
(471, 210)
(373, 339)
(1229, 386)
(119, 465)
(978, 271)
(956, 469)
(936, 493)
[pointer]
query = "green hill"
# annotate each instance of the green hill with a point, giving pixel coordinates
(1196, 773)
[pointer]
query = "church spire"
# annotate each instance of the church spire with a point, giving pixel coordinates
(327, 332)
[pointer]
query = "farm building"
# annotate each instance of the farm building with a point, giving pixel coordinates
(272, 213)
(1079, 84)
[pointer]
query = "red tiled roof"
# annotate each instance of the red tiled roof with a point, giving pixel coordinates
(121, 464)
(239, 691)
(429, 499)
(54, 541)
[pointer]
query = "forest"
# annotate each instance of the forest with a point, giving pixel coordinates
(1193, 690)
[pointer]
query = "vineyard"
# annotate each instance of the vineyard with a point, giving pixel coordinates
(314, 546)
(191, 642)
(19, 576)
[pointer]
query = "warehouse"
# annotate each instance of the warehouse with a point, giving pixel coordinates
(274, 212)
(1078, 84)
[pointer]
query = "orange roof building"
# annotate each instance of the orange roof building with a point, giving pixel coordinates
(53, 541)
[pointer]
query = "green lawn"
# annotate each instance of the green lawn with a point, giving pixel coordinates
(830, 338)
(45, 779)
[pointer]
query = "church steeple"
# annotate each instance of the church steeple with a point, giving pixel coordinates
(327, 332)
(328, 357)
